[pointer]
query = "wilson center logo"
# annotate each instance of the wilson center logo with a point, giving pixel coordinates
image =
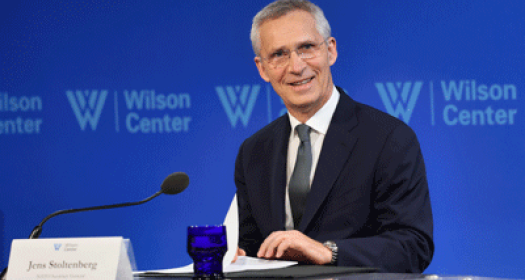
(400, 98)
(87, 106)
(57, 246)
(238, 101)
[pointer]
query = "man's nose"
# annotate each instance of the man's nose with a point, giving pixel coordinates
(296, 64)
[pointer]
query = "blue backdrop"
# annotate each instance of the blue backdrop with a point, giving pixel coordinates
(100, 100)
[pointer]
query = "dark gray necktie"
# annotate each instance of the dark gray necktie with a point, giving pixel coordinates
(300, 181)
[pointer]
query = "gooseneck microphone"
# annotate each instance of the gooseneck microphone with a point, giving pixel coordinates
(173, 184)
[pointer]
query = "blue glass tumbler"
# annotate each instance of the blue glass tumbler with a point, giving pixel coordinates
(207, 246)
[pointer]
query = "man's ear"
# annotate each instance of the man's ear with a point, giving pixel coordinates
(332, 50)
(262, 69)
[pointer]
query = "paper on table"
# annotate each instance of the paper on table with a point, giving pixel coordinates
(242, 264)
(232, 232)
(248, 263)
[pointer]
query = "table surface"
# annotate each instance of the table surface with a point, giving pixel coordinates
(363, 276)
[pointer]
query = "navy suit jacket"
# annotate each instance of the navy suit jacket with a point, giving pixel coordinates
(369, 193)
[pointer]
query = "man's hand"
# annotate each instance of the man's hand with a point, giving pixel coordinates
(239, 252)
(294, 245)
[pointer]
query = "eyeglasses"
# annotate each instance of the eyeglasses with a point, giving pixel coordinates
(281, 58)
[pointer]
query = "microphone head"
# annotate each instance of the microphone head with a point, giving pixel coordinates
(175, 183)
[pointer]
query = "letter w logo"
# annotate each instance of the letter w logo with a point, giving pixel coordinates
(400, 98)
(87, 106)
(57, 246)
(238, 102)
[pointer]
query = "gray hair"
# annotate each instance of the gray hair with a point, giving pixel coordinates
(280, 8)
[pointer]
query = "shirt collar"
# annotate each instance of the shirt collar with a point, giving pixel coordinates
(321, 120)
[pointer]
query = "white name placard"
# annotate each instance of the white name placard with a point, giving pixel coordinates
(69, 258)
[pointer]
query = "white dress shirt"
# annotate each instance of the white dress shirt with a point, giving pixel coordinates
(319, 124)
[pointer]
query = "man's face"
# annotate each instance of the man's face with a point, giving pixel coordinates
(305, 85)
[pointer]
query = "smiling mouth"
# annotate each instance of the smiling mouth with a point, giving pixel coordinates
(302, 82)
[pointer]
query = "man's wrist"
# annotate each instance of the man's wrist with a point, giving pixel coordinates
(332, 247)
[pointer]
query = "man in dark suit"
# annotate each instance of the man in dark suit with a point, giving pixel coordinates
(363, 199)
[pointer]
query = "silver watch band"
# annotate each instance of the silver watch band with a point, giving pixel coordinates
(333, 247)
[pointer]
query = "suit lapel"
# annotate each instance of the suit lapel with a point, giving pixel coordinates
(337, 147)
(278, 171)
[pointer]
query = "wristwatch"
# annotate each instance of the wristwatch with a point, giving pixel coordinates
(333, 247)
